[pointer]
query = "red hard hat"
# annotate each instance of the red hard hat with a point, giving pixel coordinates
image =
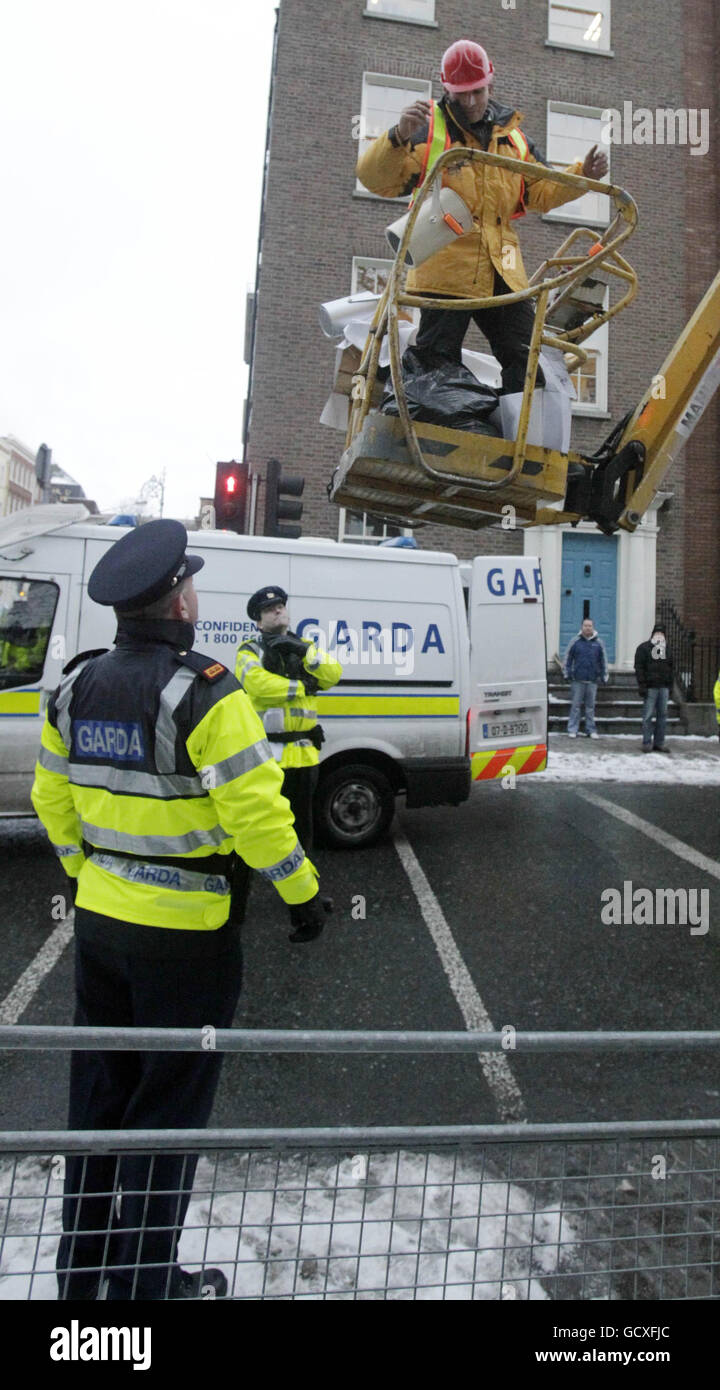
(465, 65)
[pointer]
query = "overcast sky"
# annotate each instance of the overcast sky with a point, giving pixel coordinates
(131, 149)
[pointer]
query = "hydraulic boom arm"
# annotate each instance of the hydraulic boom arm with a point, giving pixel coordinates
(638, 454)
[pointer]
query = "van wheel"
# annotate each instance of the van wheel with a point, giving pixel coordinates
(354, 806)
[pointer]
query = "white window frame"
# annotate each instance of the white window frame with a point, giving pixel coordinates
(357, 261)
(365, 539)
(412, 87)
(412, 314)
(598, 343)
(581, 38)
(579, 212)
(421, 11)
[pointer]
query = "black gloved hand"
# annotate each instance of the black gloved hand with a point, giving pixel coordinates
(310, 682)
(308, 919)
(287, 643)
(273, 658)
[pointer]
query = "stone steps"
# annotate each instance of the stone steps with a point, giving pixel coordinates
(618, 707)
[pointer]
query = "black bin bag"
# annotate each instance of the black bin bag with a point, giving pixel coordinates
(442, 392)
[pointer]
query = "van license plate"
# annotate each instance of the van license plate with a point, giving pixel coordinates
(520, 726)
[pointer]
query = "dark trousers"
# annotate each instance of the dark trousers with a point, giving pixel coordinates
(508, 331)
(125, 1213)
(299, 785)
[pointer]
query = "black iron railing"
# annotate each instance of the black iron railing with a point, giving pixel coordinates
(697, 659)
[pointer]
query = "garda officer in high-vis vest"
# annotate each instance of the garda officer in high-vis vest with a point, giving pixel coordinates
(487, 261)
(282, 674)
(154, 774)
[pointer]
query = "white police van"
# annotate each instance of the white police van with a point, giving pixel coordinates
(444, 665)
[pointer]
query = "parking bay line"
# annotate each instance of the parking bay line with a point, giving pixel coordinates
(495, 1065)
(26, 986)
(661, 837)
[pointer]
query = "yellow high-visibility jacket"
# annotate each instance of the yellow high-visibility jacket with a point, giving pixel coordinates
(716, 696)
(285, 706)
(466, 268)
(155, 759)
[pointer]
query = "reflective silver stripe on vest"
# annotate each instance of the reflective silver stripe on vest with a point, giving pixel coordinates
(163, 875)
(53, 762)
(249, 665)
(62, 704)
(153, 845)
(284, 867)
(127, 782)
(216, 774)
(302, 713)
(292, 689)
(64, 851)
(166, 728)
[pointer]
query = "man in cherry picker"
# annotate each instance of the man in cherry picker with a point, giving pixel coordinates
(486, 261)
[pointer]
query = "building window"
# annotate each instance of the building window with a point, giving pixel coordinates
(571, 132)
(383, 99)
(362, 529)
(369, 274)
(591, 379)
(585, 24)
(423, 11)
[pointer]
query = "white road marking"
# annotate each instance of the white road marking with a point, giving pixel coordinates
(661, 837)
(495, 1065)
(15, 1003)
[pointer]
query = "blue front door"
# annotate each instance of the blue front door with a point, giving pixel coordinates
(588, 588)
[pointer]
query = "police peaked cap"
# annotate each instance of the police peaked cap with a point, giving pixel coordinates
(145, 565)
(265, 598)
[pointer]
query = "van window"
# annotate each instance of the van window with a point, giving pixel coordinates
(27, 609)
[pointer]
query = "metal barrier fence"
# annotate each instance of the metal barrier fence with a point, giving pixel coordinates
(625, 1210)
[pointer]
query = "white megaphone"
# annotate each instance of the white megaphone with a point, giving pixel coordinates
(441, 220)
(336, 313)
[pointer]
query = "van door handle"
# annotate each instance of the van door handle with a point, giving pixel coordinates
(568, 591)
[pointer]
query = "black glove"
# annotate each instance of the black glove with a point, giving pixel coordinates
(308, 919)
(642, 694)
(273, 659)
(287, 643)
(311, 684)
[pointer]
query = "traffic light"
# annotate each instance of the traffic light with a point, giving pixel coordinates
(279, 510)
(231, 487)
(43, 467)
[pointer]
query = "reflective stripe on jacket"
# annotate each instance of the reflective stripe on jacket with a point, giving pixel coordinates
(146, 759)
(284, 705)
(439, 140)
(492, 195)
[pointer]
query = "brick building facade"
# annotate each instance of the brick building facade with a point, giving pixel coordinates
(315, 221)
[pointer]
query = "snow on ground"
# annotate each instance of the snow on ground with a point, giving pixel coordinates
(306, 1226)
(601, 762)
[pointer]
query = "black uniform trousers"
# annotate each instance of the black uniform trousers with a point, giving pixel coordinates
(299, 785)
(124, 1213)
(508, 331)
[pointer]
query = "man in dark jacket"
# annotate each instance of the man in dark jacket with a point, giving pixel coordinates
(654, 674)
(585, 664)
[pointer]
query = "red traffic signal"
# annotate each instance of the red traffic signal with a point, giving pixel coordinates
(231, 488)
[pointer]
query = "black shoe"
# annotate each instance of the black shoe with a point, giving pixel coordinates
(656, 749)
(647, 748)
(206, 1283)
